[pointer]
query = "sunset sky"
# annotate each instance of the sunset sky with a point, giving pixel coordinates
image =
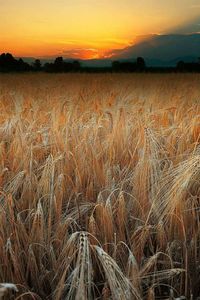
(89, 28)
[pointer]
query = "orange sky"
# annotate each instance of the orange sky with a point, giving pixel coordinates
(85, 28)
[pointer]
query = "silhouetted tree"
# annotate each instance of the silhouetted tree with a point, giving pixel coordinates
(23, 66)
(140, 64)
(180, 66)
(76, 65)
(37, 66)
(8, 63)
(59, 64)
(125, 66)
(68, 66)
(58, 60)
(188, 67)
(128, 66)
(48, 67)
(116, 65)
(192, 67)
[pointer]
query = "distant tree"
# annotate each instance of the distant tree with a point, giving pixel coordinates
(76, 65)
(58, 60)
(180, 66)
(192, 67)
(116, 65)
(8, 63)
(128, 66)
(140, 64)
(188, 67)
(68, 66)
(125, 66)
(37, 66)
(20, 61)
(58, 64)
(48, 67)
(23, 66)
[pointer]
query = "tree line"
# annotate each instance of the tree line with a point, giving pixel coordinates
(10, 64)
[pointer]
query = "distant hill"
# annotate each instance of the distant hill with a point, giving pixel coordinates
(30, 60)
(163, 48)
(96, 63)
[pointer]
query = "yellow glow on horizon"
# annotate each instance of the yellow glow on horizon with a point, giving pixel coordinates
(87, 28)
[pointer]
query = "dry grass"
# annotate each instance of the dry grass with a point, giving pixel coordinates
(100, 189)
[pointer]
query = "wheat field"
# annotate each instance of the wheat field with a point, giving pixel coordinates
(100, 186)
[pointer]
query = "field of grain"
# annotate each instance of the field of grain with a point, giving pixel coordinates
(100, 186)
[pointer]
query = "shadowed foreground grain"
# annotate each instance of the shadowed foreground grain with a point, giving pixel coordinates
(100, 186)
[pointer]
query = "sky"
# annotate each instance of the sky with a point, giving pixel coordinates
(89, 28)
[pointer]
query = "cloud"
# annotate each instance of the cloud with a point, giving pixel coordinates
(191, 26)
(196, 5)
(84, 53)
